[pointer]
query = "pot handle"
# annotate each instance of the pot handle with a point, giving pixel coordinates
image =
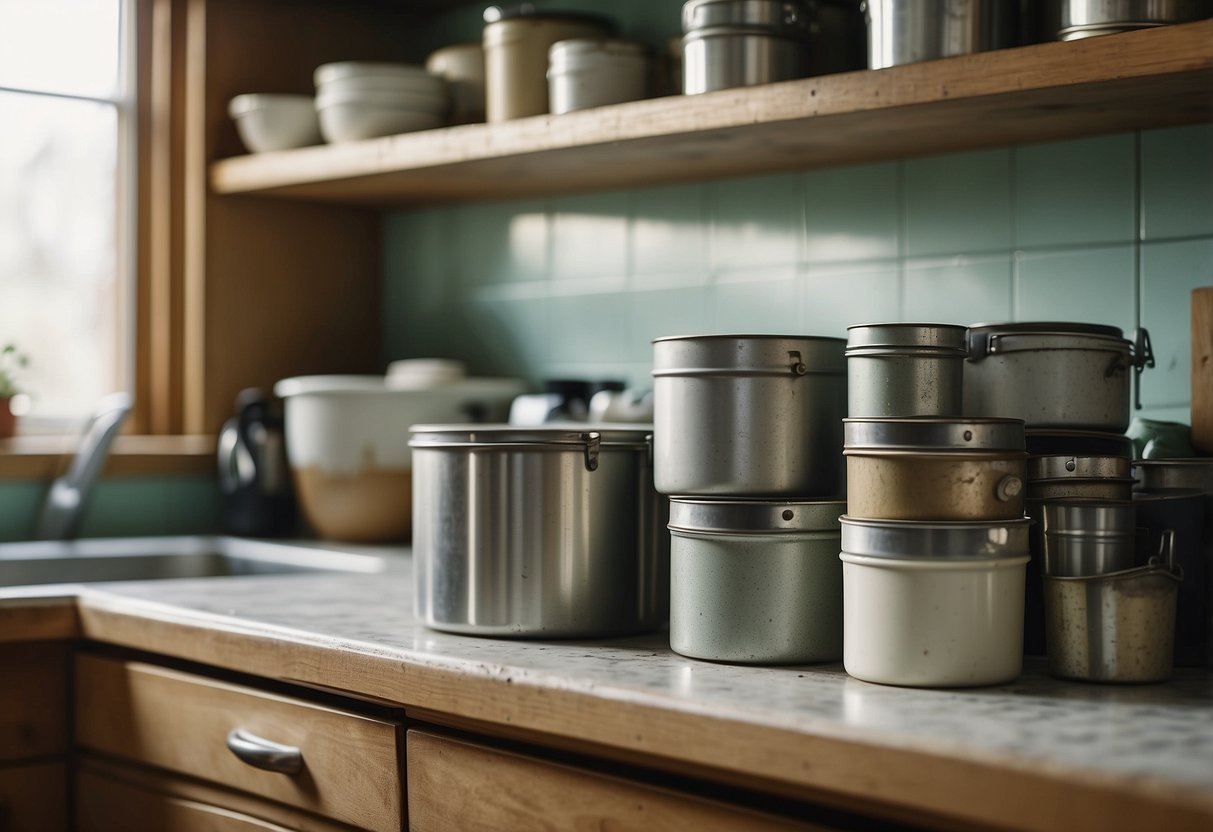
(1143, 357)
(1166, 555)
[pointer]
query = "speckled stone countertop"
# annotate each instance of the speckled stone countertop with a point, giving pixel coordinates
(1157, 739)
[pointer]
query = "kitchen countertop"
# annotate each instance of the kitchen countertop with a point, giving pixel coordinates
(1037, 753)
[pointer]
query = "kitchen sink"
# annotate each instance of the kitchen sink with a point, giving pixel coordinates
(158, 558)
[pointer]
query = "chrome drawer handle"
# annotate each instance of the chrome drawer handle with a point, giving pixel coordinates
(264, 754)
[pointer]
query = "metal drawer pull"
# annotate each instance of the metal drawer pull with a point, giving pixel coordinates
(264, 754)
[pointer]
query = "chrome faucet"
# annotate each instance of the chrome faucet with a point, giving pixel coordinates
(63, 510)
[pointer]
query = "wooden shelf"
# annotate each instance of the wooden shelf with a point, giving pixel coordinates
(1152, 78)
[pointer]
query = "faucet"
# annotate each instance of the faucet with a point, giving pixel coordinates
(64, 507)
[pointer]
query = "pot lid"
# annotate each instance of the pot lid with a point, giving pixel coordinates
(1048, 328)
(691, 514)
(936, 337)
(914, 539)
(743, 355)
(746, 15)
(933, 434)
(542, 437)
(1068, 466)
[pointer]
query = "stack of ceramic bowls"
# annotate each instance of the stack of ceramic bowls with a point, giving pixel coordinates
(747, 442)
(357, 100)
(934, 550)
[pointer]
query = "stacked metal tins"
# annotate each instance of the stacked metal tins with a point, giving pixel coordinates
(747, 442)
(1177, 494)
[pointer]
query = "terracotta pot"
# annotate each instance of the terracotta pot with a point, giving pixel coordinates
(8, 422)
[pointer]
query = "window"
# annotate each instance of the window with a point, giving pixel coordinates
(66, 154)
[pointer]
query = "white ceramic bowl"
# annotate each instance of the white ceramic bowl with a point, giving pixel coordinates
(931, 622)
(419, 103)
(429, 85)
(353, 122)
(328, 73)
(270, 121)
(347, 440)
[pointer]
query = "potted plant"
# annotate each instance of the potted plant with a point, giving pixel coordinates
(11, 361)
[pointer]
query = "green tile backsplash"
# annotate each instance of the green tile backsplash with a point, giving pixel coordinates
(580, 285)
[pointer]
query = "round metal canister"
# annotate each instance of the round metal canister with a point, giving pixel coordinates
(907, 31)
(1088, 18)
(1061, 476)
(905, 369)
(755, 582)
(516, 58)
(1191, 473)
(738, 43)
(547, 531)
(594, 72)
(1053, 375)
(935, 468)
(1083, 538)
(957, 540)
(749, 416)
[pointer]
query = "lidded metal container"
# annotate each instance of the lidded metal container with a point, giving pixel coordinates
(540, 531)
(1061, 476)
(1085, 538)
(736, 43)
(1053, 375)
(756, 582)
(907, 31)
(593, 72)
(1191, 473)
(1087, 18)
(749, 415)
(905, 369)
(935, 469)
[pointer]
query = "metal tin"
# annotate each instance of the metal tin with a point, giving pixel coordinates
(1087, 18)
(959, 540)
(907, 31)
(790, 19)
(905, 369)
(1116, 627)
(537, 531)
(1194, 473)
(755, 581)
(594, 72)
(1084, 538)
(749, 416)
(1067, 476)
(1055, 375)
(935, 468)
(727, 56)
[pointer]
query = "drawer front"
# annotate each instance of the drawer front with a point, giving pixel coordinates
(121, 799)
(33, 798)
(33, 700)
(181, 722)
(458, 786)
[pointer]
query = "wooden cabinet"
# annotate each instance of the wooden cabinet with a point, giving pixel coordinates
(33, 736)
(33, 797)
(455, 785)
(335, 763)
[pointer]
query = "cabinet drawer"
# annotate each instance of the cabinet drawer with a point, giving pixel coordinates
(33, 798)
(115, 798)
(458, 786)
(181, 721)
(33, 700)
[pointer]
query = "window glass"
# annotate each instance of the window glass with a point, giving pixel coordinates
(62, 46)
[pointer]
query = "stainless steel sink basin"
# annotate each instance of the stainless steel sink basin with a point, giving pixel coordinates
(155, 558)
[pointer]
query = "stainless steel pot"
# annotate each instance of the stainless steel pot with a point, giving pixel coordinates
(551, 531)
(1083, 538)
(1054, 375)
(1086, 18)
(1116, 627)
(1183, 515)
(749, 416)
(935, 468)
(756, 581)
(905, 369)
(958, 540)
(907, 31)
(739, 43)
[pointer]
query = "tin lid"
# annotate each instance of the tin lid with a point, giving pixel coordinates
(933, 434)
(875, 339)
(1090, 518)
(543, 437)
(1068, 467)
(960, 540)
(743, 517)
(567, 53)
(1184, 473)
(748, 355)
(772, 15)
(498, 14)
(991, 339)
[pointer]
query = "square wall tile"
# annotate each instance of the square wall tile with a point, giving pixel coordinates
(962, 290)
(670, 230)
(959, 203)
(589, 329)
(1169, 273)
(1095, 286)
(839, 296)
(503, 336)
(851, 213)
(758, 302)
(1177, 182)
(758, 221)
(20, 501)
(500, 242)
(665, 312)
(590, 236)
(1075, 192)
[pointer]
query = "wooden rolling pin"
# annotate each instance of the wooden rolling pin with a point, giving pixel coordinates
(1202, 369)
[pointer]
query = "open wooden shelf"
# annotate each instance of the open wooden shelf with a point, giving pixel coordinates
(1152, 78)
